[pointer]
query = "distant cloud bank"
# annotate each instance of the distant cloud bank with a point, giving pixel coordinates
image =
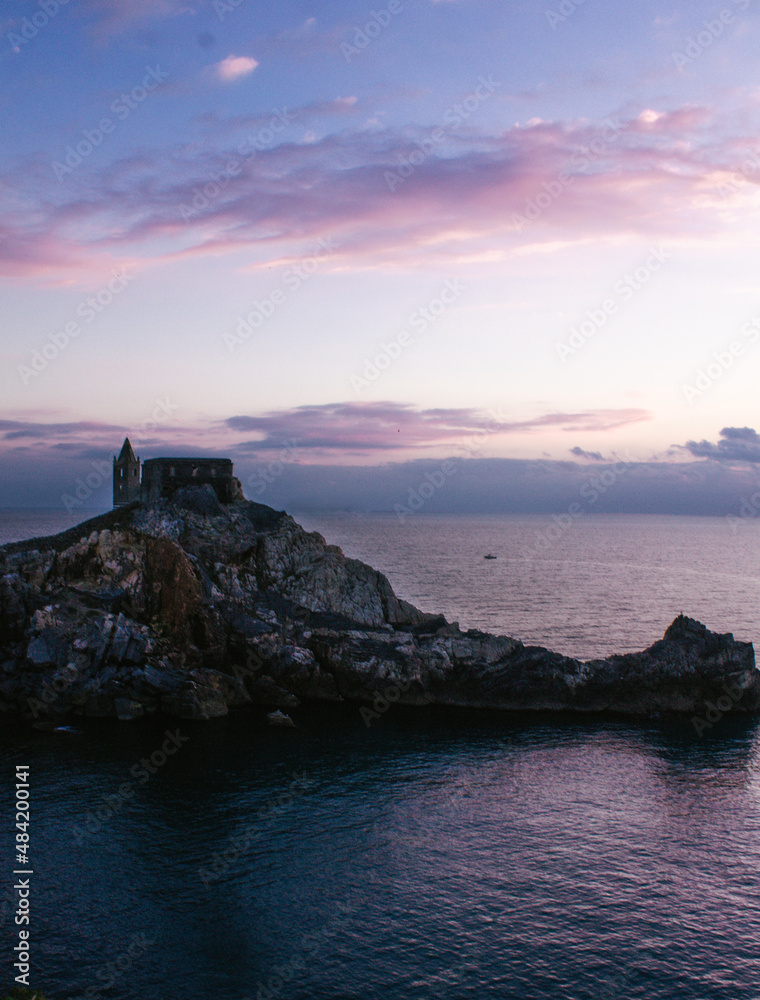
(301, 459)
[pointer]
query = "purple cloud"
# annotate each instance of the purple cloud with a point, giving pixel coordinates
(592, 456)
(394, 427)
(737, 444)
(336, 430)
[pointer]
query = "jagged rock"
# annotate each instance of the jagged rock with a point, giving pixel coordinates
(264, 691)
(197, 703)
(199, 500)
(157, 679)
(280, 719)
(192, 607)
(41, 652)
(99, 706)
(126, 709)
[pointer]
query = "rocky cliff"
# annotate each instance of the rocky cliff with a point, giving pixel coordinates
(193, 607)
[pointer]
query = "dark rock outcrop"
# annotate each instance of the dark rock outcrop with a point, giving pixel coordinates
(192, 607)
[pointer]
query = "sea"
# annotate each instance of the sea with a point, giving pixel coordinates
(432, 853)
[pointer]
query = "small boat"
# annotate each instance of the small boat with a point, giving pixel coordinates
(489, 556)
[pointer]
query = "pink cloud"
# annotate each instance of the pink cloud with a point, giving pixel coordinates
(682, 120)
(387, 198)
(235, 68)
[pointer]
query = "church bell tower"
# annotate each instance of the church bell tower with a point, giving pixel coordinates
(126, 476)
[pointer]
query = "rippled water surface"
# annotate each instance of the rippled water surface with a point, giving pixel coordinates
(433, 855)
(437, 854)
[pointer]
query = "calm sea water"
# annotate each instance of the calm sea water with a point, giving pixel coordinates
(604, 584)
(436, 854)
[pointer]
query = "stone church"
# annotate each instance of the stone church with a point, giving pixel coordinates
(159, 478)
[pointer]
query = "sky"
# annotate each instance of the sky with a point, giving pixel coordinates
(346, 244)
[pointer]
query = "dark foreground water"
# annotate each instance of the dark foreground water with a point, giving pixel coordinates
(434, 855)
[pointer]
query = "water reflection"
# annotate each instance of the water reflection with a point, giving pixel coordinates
(438, 854)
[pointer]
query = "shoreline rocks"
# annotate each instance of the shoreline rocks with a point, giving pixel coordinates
(190, 609)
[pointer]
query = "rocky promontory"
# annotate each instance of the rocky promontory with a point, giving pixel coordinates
(191, 608)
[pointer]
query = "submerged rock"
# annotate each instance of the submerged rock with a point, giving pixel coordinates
(279, 718)
(192, 608)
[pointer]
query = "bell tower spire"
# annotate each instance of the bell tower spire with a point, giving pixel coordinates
(126, 476)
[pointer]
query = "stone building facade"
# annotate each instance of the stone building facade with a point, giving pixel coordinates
(159, 478)
(163, 476)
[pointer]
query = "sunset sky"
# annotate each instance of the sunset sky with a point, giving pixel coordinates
(337, 234)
